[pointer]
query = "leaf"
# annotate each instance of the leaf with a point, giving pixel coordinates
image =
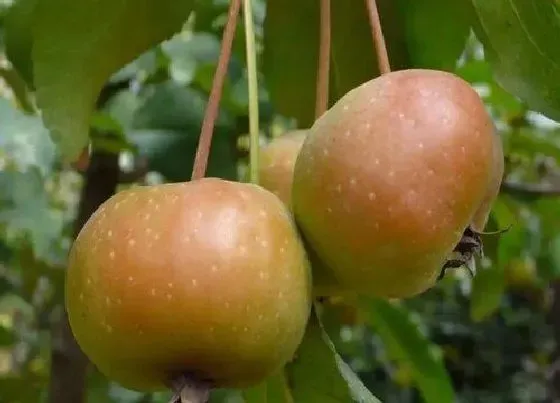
(273, 390)
(26, 210)
(19, 37)
(318, 373)
(291, 48)
(488, 288)
(436, 31)
(394, 325)
(520, 42)
(24, 139)
(78, 45)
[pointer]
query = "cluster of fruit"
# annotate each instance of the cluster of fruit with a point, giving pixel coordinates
(213, 281)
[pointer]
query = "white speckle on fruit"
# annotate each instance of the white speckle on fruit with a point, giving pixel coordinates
(211, 329)
(401, 115)
(391, 174)
(264, 243)
(170, 285)
(199, 214)
(262, 275)
(131, 241)
(119, 301)
(88, 281)
(376, 225)
(153, 291)
(214, 268)
(148, 230)
(282, 249)
(107, 301)
(117, 205)
(150, 201)
(353, 181)
(109, 329)
(325, 152)
(112, 255)
(243, 195)
(147, 216)
(372, 196)
(186, 239)
(376, 161)
(463, 150)
(261, 317)
(263, 213)
(372, 100)
(109, 234)
(345, 107)
(368, 126)
(429, 212)
(157, 207)
(347, 133)
(243, 249)
(280, 294)
(431, 172)
(168, 296)
(194, 282)
(174, 198)
(226, 304)
(245, 329)
(420, 145)
(329, 210)
(277, 315)
(130, 278)
(81, 296)
(156, 236)
(390, 209)
(446, 155)
(286, 241)
(338, 188)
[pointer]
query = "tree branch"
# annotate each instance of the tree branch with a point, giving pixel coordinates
(68, 363)
(530, 189)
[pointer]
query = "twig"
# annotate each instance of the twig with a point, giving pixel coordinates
(205, 140)
(378, 39)
(322, 97)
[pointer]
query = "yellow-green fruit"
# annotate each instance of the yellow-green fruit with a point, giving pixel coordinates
(208, 279)
(277, 160)
(389, 178)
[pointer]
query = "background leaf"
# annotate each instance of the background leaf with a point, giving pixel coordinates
(402, 336)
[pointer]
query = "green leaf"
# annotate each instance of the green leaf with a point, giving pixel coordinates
(78, 45)
(436, 31)
(19, 37)
(318, 373)
(394, 325)
(24, 139)
(273, 390)
(488, 288)
(291, 47)
(520, 42)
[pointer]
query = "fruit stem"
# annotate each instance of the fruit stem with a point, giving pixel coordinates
(211, 113)
(253, 92)
(188, 390)
(322, 100)
(378, 39)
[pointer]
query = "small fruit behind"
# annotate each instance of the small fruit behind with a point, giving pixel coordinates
(389, 178)
(277, 160)
(206, 280)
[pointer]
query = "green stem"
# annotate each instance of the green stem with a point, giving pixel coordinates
(19, 89)
(253, 92)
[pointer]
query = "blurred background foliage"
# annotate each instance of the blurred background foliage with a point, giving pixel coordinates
(496, 335)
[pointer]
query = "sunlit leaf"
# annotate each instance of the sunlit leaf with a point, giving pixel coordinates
(77, 46)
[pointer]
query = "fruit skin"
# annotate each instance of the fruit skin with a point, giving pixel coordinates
(389, 178)
(206, 278)
(482, 215)
(277, 160)
(276, 171)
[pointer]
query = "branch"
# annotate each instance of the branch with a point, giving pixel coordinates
(68, 363)
(530, 189)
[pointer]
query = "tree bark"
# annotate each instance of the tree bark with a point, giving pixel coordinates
(68, 363)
